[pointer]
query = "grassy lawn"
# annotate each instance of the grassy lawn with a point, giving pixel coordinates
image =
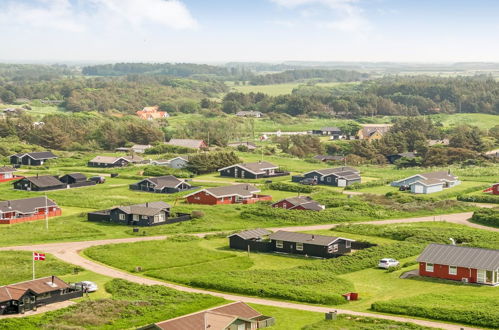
(484, 121)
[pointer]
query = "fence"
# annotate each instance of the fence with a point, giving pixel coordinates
(30, 218)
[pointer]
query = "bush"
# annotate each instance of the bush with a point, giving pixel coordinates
(474, 310)
(484, 198)
(377, 183)
(156, 170)
(283, 186)
(345, 321)
(487, 217)
(168, 148)
(197, 214)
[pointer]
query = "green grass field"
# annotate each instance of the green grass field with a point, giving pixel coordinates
(280, 89)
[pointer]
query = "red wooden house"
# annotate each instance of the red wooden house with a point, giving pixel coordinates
(238, 193)
(28, 209)
(460, 263)
(7, 174)
(494, 190)
(304, 203)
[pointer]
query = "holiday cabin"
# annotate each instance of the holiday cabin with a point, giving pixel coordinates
(32, 158)
(256, 170)
(238, 193)
(28, 209)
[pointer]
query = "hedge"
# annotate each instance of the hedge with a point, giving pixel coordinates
(484, 198)
(283, 186)
(487, 217)
(377, 183)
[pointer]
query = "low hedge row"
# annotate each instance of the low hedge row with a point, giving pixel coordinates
(474, 310)
(487, 217)
(485, 198)
(377, 183)
(283, 186)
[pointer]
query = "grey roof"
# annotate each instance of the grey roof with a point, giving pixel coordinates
(440, 175)
(167, 181)
(76, 176)
(112, 160)
(5, 169)
(461, 256)
(150, 209)
(250, 145)
(346, 172)
(252, 233)
(256, 167)
(368, 130)
(39, 155)
(312, 239)
(331, 129)
(304, 201)
(242, 189)
(188, 143)
(26, 205)
(430, 182)
(44, 181)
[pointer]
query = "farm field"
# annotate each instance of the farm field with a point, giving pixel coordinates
(285, 276)
(281, 89)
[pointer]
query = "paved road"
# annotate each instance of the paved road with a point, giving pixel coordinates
(69, 252)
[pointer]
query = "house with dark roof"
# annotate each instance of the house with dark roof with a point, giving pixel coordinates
(337, 177)
(243, 193)
(291, 242)
(248, 145)
(460, 263)
(252, 240)
(147, 214)
(110, 161)
(427, 183)
(304, 203)
(188, 143)
(7, 174)
(232, 316)
(27, 209)
(39, 183)
(21, 297)
(256, 170)
(394, 157)
(167, 184)
(334, 132)
(32, 158)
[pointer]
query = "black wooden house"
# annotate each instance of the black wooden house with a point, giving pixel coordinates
(39, 183)
(32, 158)
(337, 177)
(254, 170)
(167, 184)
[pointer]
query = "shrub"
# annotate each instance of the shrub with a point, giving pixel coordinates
(283, 186)
(345, 321)
(197, 214)
(168, 148)
(377, 183)
(484, 198)
(487, 217)
(156, 170)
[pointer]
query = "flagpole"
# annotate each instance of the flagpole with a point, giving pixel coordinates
(46, 213)
(33, 260)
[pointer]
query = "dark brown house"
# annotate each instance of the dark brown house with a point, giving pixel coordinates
(25, 296)
(254, 170)
(167, 184)
(147, 214)
(304, 203)
(32, 158)
(39, 183)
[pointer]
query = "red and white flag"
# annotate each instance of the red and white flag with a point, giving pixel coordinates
(38, 256)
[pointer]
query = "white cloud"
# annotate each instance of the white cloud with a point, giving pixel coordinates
(346, 15)
(83, 15)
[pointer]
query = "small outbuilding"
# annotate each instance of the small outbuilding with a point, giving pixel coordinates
(39, 183)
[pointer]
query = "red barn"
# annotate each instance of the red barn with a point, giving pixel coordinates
(238, 193)
(460, 263)
(299, 203)
(494, 190)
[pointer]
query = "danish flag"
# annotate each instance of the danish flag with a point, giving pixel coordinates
(38, 256)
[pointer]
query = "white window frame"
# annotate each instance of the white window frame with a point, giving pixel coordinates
(121, 216)
(335, 247)
(145, 217)
(299, 246)
(454, 270)
(284, 205)
(429, 267)
(135, 217)
(279, 244)
(328, 179)
(348, 244)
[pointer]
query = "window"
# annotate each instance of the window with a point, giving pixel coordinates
(429, 267)
(348, 244)
(144, 217)
(328, 179)
(135, 217)
(452, 270)
(284, 205)
(335, 247)
(279, 244)
(122, 216)
(299, 246)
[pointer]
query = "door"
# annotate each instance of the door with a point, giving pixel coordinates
(489, 276)
(481, 276)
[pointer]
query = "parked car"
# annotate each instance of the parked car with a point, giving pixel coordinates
(387, 263)
(309, 181)
(98, 179)
(404, 188)
(88, 285)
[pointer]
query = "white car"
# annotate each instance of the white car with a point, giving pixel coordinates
(89, 286)
(387, 263)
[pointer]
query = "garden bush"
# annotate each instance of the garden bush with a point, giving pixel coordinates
(481, 198)
(475, 310)
(345, 321)
(283, 186)
(156, 170)
(487, 217)
(370, 184)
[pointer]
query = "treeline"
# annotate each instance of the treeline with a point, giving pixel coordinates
(170, 69)
(316, 74)
(406, 96)
(81, 132)
(121, 94)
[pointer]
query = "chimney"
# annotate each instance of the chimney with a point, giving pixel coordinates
(448, 171)
(8, 205)
(147, 204)
(53, 279)
(37, 175)
(313, 237)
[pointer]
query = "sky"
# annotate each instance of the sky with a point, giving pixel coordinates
(217, 31)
